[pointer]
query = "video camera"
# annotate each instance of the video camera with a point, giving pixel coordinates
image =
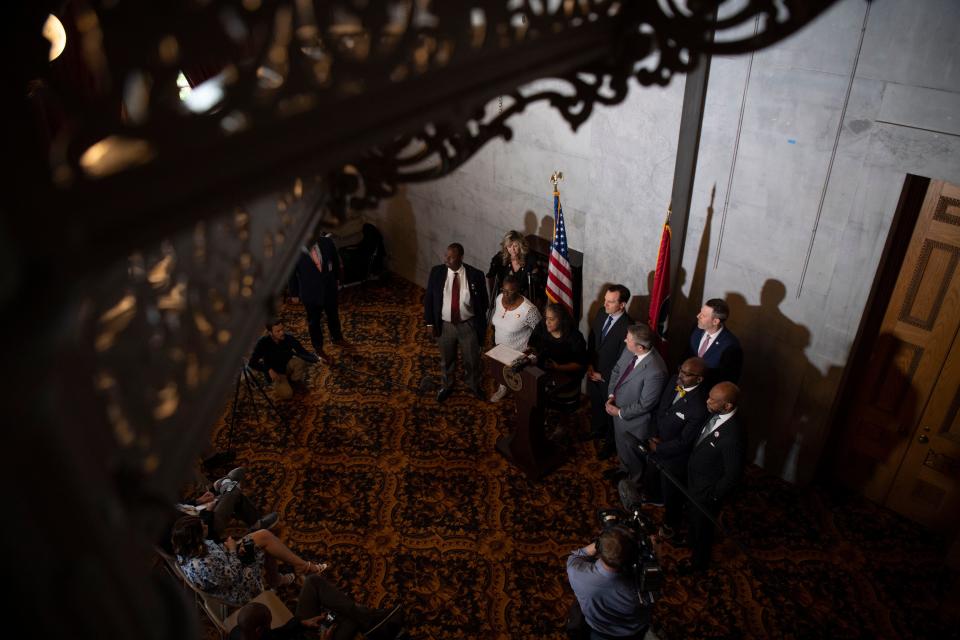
(647, 574)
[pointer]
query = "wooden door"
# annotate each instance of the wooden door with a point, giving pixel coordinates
(903, 447)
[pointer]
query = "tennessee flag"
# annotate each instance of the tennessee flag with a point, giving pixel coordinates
(660, 295)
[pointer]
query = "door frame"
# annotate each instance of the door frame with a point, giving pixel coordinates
(885, 280)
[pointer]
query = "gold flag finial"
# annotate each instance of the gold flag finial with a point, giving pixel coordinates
(556, 177)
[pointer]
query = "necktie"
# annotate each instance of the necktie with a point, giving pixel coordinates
(626, 372)
(680, 393)
(707, 428)
(455, 299)
(606, 327)
(317, 257)
(704, 344)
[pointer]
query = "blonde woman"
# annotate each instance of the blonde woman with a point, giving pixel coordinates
(514, 258)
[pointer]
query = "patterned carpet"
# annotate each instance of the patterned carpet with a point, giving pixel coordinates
(407, 499)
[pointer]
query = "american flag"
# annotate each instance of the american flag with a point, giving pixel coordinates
(559, 274)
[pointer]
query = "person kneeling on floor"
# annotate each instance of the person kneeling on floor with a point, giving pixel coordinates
(281, 356)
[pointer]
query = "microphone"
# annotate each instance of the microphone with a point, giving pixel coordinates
(517, 365)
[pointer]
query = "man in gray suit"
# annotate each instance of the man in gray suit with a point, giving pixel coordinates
(636, 383)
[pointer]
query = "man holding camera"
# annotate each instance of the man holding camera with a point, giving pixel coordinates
(281, 356)
(601, 575)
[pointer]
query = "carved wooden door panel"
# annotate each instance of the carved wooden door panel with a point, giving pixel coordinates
(904, 447)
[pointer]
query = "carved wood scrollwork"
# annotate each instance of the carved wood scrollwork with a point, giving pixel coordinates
(398, 90)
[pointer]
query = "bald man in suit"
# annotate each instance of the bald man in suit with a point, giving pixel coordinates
(714, 469)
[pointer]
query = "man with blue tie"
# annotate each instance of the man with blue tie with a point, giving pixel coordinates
(716, 344)
(604, 346)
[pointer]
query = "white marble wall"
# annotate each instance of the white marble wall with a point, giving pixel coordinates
(902, 116)
(618, 172)
(762, 180)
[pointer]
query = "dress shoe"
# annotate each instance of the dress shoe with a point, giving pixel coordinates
(629, 495)
(237, 474)
(614, 475)
(265, 522)
(444, 393)
(607, 449)
(323, 358)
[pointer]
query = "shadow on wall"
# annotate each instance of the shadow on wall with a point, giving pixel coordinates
(785, 398)
(542, 228)
(400, 226)
(877, 422)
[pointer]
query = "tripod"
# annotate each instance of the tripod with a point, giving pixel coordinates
(250, 382)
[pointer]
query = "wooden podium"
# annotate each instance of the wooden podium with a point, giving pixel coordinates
(527, 447)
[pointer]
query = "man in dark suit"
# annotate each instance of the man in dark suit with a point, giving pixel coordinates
(677, 423)
(716, 344)
(715, 467)
(455, 309)
(636, 383)
(604, 346)
(314, 282)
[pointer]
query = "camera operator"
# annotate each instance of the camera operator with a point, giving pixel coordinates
(607, 604)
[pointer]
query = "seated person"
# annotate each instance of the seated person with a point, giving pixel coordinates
(606, 604)
(224, 500)
(227, 570)
(560, 350)
(514, 258)
(281, 356)
(514, 319)
(317, 597)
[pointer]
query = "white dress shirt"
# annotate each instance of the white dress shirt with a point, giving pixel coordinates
(466, 306)
(710, 338)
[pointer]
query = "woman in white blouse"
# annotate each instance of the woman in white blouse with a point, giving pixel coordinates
(514, 318)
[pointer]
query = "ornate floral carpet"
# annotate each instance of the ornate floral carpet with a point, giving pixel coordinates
(408, 500)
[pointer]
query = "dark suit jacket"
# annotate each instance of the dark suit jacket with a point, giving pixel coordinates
(678, 424)
(724, 357)
(603, 355)
(433, 299)
(716, 464)
(311, 285)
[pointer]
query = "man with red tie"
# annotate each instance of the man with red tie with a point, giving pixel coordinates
(455, 310)
(314, 282)
(716, 344)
